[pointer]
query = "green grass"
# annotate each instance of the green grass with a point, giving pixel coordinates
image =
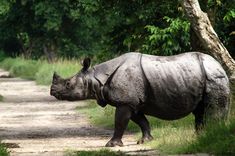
(40, 70)
(1, 98)
(218, 139)
(102, 152)
(3, 150)
(62, 67)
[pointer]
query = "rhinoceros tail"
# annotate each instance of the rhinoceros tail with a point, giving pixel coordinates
(216, 98)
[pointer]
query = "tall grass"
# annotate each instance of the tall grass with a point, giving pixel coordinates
(40, 70)
(64, 68)
(216, 139)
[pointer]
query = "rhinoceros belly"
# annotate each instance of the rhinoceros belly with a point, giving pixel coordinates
(176, 84)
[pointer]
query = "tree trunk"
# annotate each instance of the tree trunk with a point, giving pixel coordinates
(207, 36)
(49, 51)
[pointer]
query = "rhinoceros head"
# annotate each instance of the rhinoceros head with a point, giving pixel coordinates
(71, 89)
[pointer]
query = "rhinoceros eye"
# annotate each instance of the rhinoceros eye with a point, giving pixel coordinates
(68, 85)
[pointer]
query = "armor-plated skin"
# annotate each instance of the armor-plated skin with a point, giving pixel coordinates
(167, 87)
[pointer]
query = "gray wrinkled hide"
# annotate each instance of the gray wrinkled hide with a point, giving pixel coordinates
(166, 87)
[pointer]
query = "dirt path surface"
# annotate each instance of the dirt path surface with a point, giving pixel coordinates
(33, 123)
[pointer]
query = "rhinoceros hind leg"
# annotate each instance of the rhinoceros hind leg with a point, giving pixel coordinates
(199, 116)
(122, 117)
(141, 121)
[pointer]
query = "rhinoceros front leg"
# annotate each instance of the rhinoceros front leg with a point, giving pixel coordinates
(122, 117)
(141, 120)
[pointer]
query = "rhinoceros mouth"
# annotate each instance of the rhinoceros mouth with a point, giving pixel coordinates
(68, 97)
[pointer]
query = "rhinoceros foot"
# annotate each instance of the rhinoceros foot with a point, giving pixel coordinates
(145, 139)
(113, 143)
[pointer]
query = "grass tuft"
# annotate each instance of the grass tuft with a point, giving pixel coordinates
(1, 98)
(102, 152)
(3, 150)
(216, 139)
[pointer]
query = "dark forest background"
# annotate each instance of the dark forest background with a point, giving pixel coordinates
(103, 29)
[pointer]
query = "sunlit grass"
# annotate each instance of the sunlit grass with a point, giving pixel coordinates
(102, 152)
(64, 68)
(171, 139)
(40, 70)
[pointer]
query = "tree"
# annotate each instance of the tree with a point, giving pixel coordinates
(206, 34)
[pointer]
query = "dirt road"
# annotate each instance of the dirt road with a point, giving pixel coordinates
(35, 124)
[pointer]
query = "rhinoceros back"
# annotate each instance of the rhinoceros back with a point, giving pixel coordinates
(176, 82)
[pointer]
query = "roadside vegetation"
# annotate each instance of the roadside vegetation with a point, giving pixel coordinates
(3, 150)
(171, 137)
(102, 152)
(1, 98)
(41, 71)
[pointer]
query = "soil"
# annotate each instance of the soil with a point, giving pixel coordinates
(32, 123)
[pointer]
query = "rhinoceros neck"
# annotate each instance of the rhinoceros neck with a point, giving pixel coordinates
(94, 88)
(88, 79)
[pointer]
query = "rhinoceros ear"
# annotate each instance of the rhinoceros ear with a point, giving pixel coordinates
(86, 64)
(56, 77)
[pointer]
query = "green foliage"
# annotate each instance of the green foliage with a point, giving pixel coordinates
(103, 29)
(4, 7)
(229, 16)
(3, 150)
(2, 56)
(170, 40)
(102, 152)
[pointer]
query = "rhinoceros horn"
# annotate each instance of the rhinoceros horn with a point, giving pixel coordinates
(56, 77)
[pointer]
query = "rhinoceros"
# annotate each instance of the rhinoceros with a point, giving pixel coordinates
(166, 87)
